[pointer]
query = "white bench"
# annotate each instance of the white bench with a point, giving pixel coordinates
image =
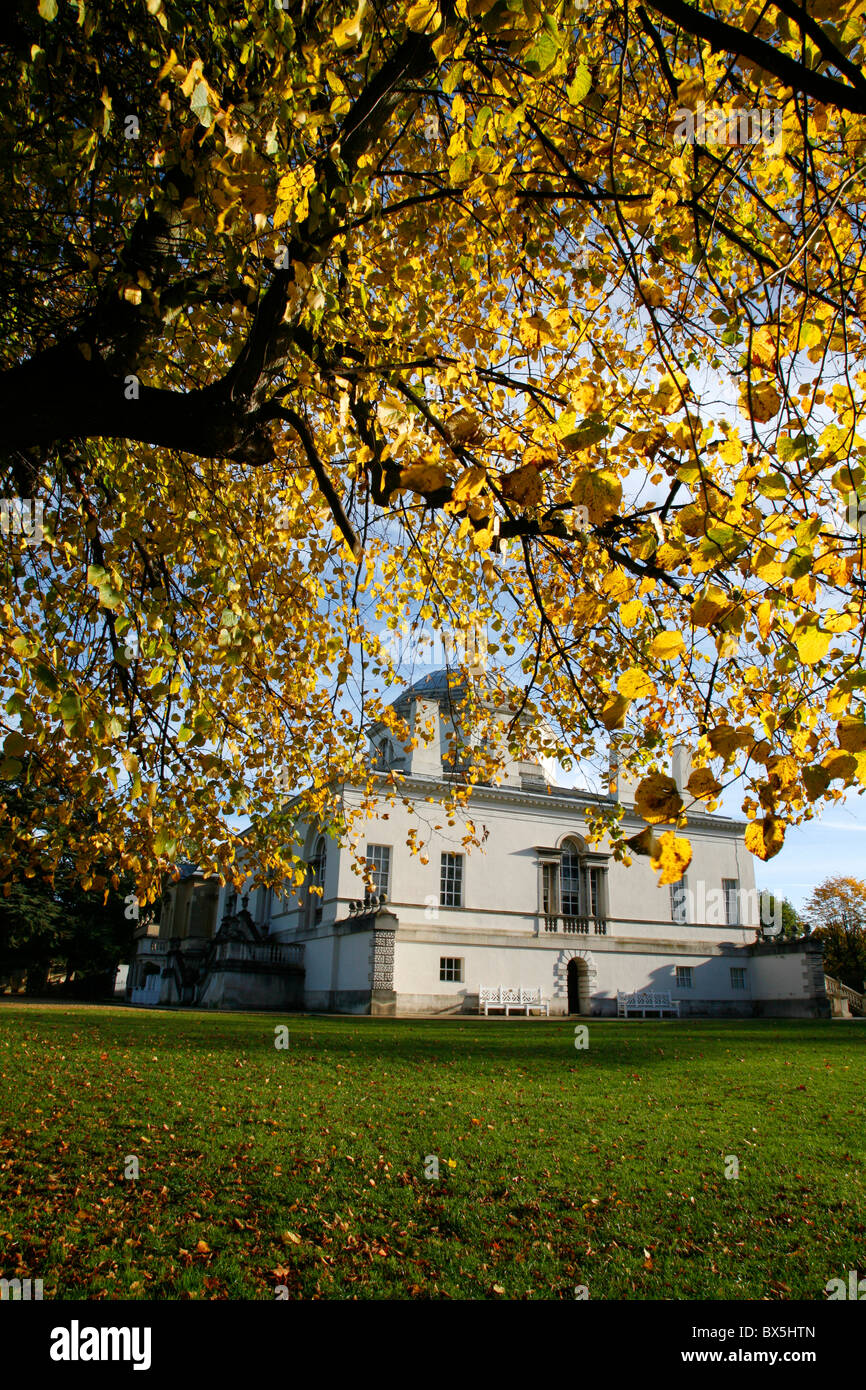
(520, 1000)
(644, 1001)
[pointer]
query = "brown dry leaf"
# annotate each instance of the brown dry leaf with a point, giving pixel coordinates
(703, 785)
(645, 842)
(657, 799)
(523, 485)
(762, 402)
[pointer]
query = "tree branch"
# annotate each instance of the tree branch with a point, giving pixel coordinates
(726, 38)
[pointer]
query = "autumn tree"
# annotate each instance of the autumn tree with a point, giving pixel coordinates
(547, 317)
(836, 913)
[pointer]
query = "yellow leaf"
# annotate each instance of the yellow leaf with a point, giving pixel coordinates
(348, 34)
(600, 492)
(765, 618)
(469, 484)
(812, 645)
(816, 780)
(667, 645)
(761, 402)
(423, 477)
(764, 838)
(424, 17)
(764, 347)
(673, 857)
(614, 711)
(48, 9)
(839, 764)
(635, 684)
(651, 294)
(464, 427)
(533, 330)
(710, 604)
(690, 91)
(724, 740)
(630, 613)
(851, 733)
(657, 798)
(617, 584)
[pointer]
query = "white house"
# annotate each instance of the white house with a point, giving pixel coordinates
(535, 908)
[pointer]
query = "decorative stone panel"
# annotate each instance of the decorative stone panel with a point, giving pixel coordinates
(382, 962)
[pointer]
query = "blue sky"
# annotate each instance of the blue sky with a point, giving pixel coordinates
(834, 844)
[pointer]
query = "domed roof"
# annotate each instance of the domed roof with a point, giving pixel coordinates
(436, 685)
(448, 687)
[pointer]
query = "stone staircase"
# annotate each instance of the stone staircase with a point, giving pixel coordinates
(844, 1002)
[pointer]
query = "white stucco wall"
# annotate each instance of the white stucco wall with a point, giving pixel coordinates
(503, 876)
(500, 933)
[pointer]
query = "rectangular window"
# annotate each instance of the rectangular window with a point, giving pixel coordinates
(738, 977)
(731, 890)
(684, 977)
(679, 900)
(549, 886)
(570, 880)
(450, 968)
(379, 868)
(593, 879)
(451, 881)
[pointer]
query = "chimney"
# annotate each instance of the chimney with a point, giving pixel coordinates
(424, 725)
(621, 786)
(681, 767)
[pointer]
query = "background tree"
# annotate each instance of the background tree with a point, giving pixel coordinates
(793, 924)
(52, 922)
(836, 913)
(545, 317)
(79, 933)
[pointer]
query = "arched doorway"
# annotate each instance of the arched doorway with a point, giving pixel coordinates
(577, 985)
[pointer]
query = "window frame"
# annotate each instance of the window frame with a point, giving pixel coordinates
(738, 977)
(446, 964)
(375, 871)
(317, 868)
(572, 899)
(729, 893)
(446, 886)
(684, 976)
(680, 888)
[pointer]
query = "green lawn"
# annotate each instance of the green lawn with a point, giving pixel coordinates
(603, 1167)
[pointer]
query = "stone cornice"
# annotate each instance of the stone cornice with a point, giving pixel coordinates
(563, 798)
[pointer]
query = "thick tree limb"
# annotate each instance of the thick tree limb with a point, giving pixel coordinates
(726, 38)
